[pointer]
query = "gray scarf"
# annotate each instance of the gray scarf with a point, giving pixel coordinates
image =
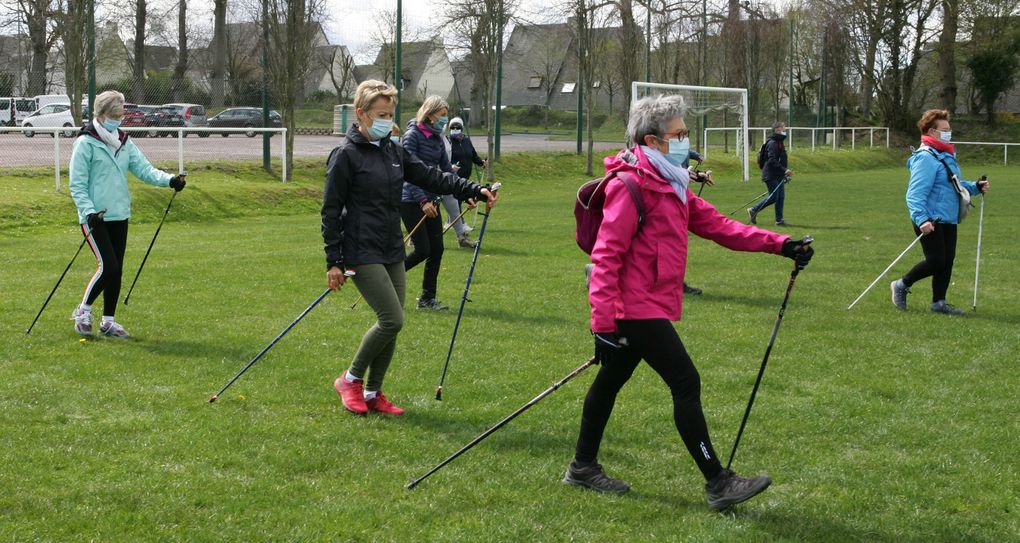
(677, 176)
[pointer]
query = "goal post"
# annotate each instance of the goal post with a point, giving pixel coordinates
(720, 107)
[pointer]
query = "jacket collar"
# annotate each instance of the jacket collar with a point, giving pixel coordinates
(938, 145)
(634, 160)
(88, 129)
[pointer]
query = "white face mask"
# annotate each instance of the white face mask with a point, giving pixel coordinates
(946, 136)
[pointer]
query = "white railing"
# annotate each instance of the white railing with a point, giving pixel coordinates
(1005, 147)
(59, 132)
(834, 131)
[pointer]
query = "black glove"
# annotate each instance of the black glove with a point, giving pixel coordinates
(94, 219)
(177, 182)
(607, 344)
(799, 250)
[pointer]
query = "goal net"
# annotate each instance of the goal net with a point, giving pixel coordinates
(716, 114)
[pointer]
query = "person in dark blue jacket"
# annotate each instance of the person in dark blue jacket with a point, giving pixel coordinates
(774, 173)
(463, 156)
(424, 140)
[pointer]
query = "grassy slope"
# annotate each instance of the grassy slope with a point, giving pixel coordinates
(876, 425)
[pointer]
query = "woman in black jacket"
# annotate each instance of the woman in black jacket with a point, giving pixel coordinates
(361, 233)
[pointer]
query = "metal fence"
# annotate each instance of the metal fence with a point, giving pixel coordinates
(834, 137)
(1005, 147)
(172, 149)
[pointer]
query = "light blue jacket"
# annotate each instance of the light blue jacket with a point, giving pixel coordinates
(930, 193)
(99, 179)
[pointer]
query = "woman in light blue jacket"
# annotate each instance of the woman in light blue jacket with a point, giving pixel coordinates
(102, 156)
(934, 207)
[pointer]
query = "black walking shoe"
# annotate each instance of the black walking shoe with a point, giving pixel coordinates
(431, 303)
(693, 291)
(730, 489)
(594, 477)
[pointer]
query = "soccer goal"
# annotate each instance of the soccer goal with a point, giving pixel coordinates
(723, 109)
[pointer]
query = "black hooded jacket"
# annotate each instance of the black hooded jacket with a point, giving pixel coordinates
(361, 204)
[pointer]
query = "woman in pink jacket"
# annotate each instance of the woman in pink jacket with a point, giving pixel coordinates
(637, 290)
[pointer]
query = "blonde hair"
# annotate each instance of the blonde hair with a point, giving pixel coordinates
(432, 105)
(371, 90)
(395, 130)
(107, 101)
(930, 118)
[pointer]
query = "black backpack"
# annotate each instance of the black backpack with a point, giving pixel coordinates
(763, 155)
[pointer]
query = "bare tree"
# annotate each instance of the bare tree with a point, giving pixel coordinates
(947, 53)
(39, 18)
(341, 72)
(219, 52)
(181, 67)
(293, 27)
(588, 16)
(72, 18)
(138, 66)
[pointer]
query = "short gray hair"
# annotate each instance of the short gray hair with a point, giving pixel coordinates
(107, 101)
(777, 125)
(649, 116)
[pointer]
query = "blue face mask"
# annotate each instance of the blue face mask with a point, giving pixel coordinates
(440, 123)
(455, 133)
(678, 151)
(380, 129)
(111, 125)
(395, 140)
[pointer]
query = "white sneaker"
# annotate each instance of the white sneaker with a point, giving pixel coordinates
(467, 228)
(82, 321)
(112, 329)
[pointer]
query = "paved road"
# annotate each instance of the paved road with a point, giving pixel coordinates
(17, 150)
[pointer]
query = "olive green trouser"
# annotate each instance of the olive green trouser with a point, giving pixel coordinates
(382, 286)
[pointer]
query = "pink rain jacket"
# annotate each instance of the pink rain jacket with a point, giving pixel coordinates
(640, 275)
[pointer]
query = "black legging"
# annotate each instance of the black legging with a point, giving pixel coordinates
(108, 242)
(428, 246)
(657, 342)
(939, 253)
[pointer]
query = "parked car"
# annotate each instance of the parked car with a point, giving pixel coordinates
(193, 115)
(13, 110)
(134, 116)
(243, 117)
(50, 115)
(161, 117)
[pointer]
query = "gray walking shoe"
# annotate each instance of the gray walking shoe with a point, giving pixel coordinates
(431, 304)
(942, 307)
(899, 294)
(753, 215)
(730, 489)
(594, 477)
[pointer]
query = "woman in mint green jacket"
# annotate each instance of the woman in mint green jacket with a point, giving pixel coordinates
(102, 156)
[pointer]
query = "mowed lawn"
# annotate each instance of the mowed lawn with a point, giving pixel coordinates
(876, 425)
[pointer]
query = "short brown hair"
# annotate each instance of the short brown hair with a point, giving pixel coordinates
(371, 90)
(930, 117)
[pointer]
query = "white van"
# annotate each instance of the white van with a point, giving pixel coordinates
(13, 110)
(46, 99)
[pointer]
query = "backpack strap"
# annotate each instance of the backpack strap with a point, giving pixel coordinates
(635, 195)
(949, 173)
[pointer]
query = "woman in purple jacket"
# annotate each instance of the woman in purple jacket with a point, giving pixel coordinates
(637, 290)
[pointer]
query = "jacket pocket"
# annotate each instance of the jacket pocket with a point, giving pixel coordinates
(667, 265)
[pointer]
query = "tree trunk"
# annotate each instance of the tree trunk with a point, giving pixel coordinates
(629, 42)
(181, 68)
(37, 34)
(138, 68)
(947, 53)
(219, 46)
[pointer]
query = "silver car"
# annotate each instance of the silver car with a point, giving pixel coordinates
(193, 115)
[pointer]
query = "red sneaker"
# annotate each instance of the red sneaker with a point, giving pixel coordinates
(352, 395)
(380, 404)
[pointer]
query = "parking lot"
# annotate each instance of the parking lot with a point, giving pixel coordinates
(16, 150)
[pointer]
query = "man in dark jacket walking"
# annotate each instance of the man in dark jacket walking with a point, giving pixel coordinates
(774, 173)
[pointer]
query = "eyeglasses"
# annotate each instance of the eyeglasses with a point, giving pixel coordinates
(681, 134)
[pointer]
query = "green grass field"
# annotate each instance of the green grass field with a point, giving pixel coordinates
(876, 425)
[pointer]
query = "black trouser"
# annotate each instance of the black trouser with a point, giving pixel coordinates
(108, 242)
(939, 253)
(657, 342)
(428, 246)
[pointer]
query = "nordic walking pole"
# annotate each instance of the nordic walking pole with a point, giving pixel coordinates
(501, 423)
(151, 243)
(977, 263)
(212, 398)
(406, 239)
(881, 275)
(82, 244)
(463, 300)
(768, 350)
(459, 217)
(751, 201)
